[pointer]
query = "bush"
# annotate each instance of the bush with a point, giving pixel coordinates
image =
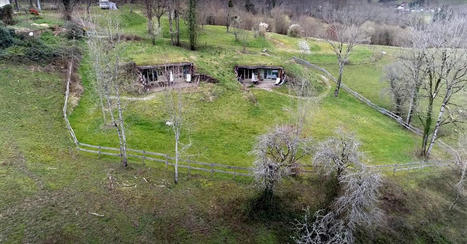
(295, 30)
(34, 11)
(281, 24)
(6, 14)
(6, 38)
(74, 31)
(36, 50)
(262, 29)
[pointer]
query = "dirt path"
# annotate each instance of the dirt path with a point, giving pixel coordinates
(315, 99)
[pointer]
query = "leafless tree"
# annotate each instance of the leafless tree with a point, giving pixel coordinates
(337, 153)
(177, 118)
(343, 35)
(277, 154)
(321, 228)
(68, 6)
(446, 77)
(104, 45)
(399, 86)
(154, 8)
(413, 64)
(174, 11)
(357, 206)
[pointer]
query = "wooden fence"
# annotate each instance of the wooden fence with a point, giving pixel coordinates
(166, 160)
(381, 110)
(215, 167)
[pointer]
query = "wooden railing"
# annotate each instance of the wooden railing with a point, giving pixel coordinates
(203, 166)
(166, 160)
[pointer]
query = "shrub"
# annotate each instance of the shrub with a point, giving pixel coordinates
(281, 24)
(295, 30)
(34, 11)
(6, 38)
(74, 31)
(6, 14)
(262, 29)
(36, 50)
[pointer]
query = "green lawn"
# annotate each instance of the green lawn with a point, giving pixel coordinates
(51, 193)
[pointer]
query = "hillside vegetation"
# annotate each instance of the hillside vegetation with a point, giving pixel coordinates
(51, 193)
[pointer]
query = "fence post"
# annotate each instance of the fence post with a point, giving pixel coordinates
(144, 157)
(394, 170)
(166, 162)
(212, 169)
(99, 152)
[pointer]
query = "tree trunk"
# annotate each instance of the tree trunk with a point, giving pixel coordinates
(38, 4)
(427, 127)
(159, 21)
(121, 128)
(339, 79)
(438, 122)
(31, 5)
(16, 5)
(177, 26)
(177, 137)
(171, 28)
(398, 106)
(413, 104)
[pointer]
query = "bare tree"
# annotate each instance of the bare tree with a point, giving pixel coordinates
(446, 77)
(337, 153)
(154, 8)
(277, 154)
(399, 86)
(193, 23)
(230, 6)
(109, 81)
(174, 8)
(413, 62)
(344, 34)
(321, 228)
(68, 6)
(176, 111)
(357, 206)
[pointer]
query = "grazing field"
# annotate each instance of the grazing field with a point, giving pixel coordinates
(51, 193)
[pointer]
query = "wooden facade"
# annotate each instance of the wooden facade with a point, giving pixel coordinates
(166, 74)
(260, 73)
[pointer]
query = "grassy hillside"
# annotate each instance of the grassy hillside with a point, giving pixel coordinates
(50, 193)
(224, 129)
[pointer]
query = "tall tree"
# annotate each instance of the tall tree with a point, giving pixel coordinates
(109, 79)
(399, 86)
(177, 117)
(343, 35)
(192, 24)
(174, 21)
(230, 6)
(446, 77)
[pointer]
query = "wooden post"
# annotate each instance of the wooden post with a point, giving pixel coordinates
(99, 152)
(394, 170)
(144, 157)
(166, 162)
(212, 169)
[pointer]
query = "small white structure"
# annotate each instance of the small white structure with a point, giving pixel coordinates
(4, 2)
(106, 4)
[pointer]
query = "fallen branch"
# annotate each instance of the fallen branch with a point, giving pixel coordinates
(96, 214)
